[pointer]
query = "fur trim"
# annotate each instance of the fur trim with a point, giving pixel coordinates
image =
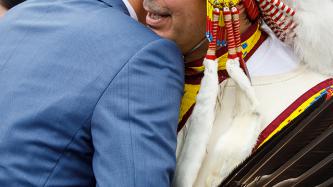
(201, 121)
(238, 75)
(234, 146)
(314, 33)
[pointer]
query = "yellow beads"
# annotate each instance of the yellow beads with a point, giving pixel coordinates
(223, 3)
(211, 4)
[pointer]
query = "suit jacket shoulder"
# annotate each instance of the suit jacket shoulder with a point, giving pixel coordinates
(66, 67)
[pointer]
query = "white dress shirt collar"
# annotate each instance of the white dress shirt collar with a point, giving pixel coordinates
(130, 9)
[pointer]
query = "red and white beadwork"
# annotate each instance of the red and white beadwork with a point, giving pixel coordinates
(278, 16)
(251, 9)
(230, 33)
(237, 36)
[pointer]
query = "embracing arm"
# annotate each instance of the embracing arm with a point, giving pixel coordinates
(135, 121)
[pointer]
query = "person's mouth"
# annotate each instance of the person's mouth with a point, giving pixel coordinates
(157, 19)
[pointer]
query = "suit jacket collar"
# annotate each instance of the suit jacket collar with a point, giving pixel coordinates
(118, 4)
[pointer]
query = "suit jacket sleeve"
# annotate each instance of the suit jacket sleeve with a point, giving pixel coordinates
(134, 123)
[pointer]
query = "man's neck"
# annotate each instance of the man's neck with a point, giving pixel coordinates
(201, 51)
(198, 53)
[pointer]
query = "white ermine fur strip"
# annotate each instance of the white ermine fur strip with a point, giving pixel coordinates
(234, 146)
(201, 121)
(240, 78)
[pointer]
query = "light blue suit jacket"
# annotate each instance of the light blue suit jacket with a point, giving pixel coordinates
(88, 97)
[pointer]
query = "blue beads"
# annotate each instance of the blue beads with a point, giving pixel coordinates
(244, 45)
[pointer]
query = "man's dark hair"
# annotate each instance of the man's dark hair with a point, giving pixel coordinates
(10, 3)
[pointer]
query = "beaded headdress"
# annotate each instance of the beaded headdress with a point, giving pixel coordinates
(223, 25)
